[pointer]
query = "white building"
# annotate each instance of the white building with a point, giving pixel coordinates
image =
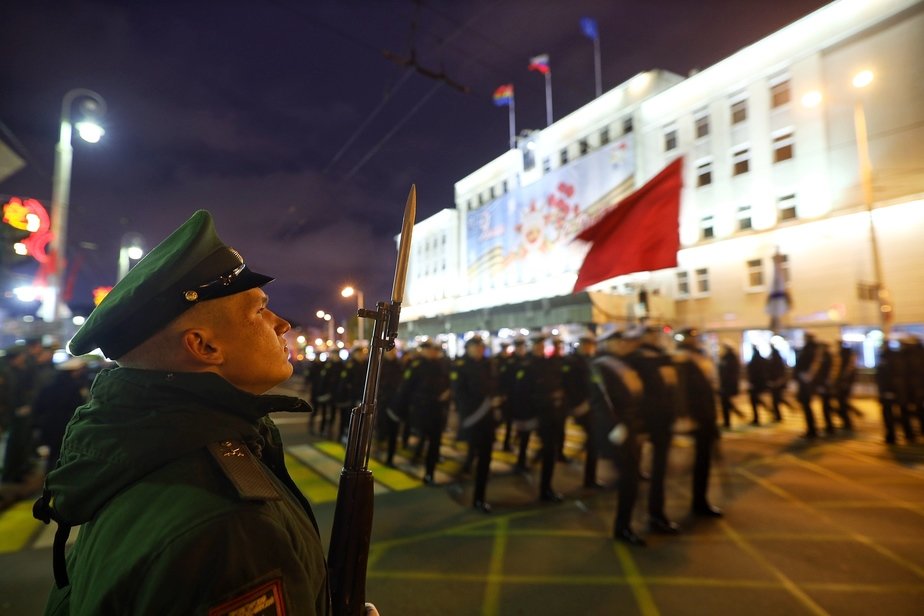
(769, 139)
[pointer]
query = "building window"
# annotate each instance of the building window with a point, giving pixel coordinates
(583, 146)
(670, 139)
(480, 199)
(784, 268)
(780, 94)
(493, 193)
(707, 225)
(529, 159)
(783, 146)
(786, 206)
(683, 284)
(546, 164)
(744, 218)
(755, 273)
(704, 173)
(563, 156)
(741, 161)
(503, 188)
(627, 125)
(739, 112)
(604, 135)
(702, 125)
(702, 281)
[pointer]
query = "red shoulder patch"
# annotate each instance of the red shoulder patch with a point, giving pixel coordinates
(265, 600)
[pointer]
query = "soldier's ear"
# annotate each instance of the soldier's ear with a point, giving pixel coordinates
(199, 346)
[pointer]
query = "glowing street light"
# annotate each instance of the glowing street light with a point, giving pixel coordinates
(131, 249)
(331, 324)
(92, 107)
(349, 291)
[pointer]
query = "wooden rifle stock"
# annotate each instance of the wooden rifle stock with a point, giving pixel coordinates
(348, 553)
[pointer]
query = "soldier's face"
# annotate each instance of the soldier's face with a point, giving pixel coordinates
(475, 351)
(255, 357)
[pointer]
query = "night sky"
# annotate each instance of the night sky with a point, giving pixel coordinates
(253, 110)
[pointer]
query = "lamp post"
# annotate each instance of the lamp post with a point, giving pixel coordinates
(131, 249)
(860, 81)
(349, 291)
(92, 106)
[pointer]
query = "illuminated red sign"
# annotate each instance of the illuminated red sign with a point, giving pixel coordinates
(31, 216)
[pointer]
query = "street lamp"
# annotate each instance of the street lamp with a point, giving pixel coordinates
(860, 81)
(92, 107)
(131, 249)
(330, 322)
(349, 291)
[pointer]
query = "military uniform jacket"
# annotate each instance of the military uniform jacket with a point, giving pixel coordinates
(473, 387)
(696, 391)
(178, 483)
(423, 396)
(659, 378)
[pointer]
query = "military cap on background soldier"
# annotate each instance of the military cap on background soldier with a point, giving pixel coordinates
(175, 451)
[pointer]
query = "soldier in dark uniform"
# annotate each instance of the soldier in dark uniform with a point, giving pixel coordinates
(776, 382)
(823, 385)
(729, 379)
(757, 381)
(474, 390)
(386, 429)
(658, 411)
(540, 383)
(17, 385)
(615, 394)
(519, 401)
(912, 352)
(349, 392)
(890, 380)
(424, 398)
(696, 375)
(503, 364)
(577, 381)
(808, 360)
(174, 467)
(326, 386)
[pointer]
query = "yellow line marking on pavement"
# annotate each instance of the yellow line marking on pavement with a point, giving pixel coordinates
(897, 502)
(317, 488)
(646, 604)
(452, 531)
(491, 605)
(919, 571)
(788, 584)
(17, 527)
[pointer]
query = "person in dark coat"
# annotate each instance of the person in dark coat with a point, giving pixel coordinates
(174, 469)
(757, 381)
(912, 352)
(776, 381)
(577, 382)
(808, 363)
(424, 393)
(615, 394)
(519, 400)
(503, 363)
(696, 375)
(386, 423)
(474, 390)
(729, 383)
(17, 389)
(55, 405)
(658, 411)
(891, 369)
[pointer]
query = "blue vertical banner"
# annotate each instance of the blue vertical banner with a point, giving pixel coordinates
(589, 28)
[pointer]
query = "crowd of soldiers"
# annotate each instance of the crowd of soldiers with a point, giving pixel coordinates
(623, 388)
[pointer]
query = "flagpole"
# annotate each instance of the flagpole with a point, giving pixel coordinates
(548, 98)
(597, 66)
(513, 123)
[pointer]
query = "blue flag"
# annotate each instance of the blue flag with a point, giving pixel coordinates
(589, 27)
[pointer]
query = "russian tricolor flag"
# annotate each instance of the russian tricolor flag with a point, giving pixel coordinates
(540, 63)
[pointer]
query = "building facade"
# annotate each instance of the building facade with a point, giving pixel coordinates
(783, 154)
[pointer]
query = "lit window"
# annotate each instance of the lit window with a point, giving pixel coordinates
(707, 225)
(741, 161)
(563, 156)
(755, 273)
(604, 135)
(702, 281)
(503, 188)
(670, 139)
(702, 125)
(704, 173)
(786, 205)
(583, 146)
(783, 146)
(744, 218)
(546, 164)
(780, 94)
(739, 111)
(627, 125)
(784, 267)
(683, 284)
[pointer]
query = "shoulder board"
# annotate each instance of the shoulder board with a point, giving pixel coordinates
(244, 471)
(566, 368)
(454, 376)
(460, 362)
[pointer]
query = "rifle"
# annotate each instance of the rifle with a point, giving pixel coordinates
(348, 553)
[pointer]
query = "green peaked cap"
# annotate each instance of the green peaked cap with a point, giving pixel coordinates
(190, 266)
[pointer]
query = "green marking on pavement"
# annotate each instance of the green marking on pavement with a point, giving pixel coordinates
(491, 605)
(17, 526)
(314, 486)
(646, 604)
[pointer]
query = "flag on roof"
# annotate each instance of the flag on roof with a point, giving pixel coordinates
(540, 63)
(589, 27)
(503, 95)
(640, 234)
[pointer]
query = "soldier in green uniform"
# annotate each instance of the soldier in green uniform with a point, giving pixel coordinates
(173, 469)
